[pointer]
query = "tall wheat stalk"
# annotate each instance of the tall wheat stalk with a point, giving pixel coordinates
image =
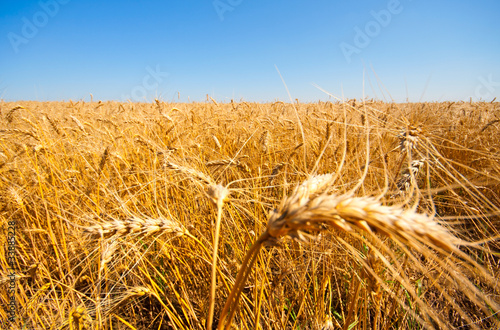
(218, 194)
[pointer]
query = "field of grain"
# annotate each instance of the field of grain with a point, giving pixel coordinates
(343, 215)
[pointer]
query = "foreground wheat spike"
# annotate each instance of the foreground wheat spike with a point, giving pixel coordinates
(343, 212)
(307, 210)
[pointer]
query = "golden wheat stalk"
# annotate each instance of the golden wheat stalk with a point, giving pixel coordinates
(218, 195)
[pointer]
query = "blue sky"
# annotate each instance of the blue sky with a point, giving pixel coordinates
(231, 49)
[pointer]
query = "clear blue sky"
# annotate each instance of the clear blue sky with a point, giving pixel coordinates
(117, 50)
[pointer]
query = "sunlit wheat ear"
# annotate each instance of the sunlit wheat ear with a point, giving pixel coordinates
(137, 225)
(108, 252)
(302, 193)
(21, 132)
(104, 159)
(300, 213)
(190, 172)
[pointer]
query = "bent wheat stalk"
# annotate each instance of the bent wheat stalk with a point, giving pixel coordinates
(307, 210)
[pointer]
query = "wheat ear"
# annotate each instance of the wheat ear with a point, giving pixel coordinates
(218, 194)
(144, 226)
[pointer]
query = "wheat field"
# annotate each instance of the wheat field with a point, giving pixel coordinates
(327, 215)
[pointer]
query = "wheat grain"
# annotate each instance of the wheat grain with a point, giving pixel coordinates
(137, 291)
(19, 131)
(366, 213)
(221, 162)
(108, 121)
(218, 193)
(108, 252)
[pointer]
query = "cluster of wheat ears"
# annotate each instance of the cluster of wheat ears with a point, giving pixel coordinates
(348, 215)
